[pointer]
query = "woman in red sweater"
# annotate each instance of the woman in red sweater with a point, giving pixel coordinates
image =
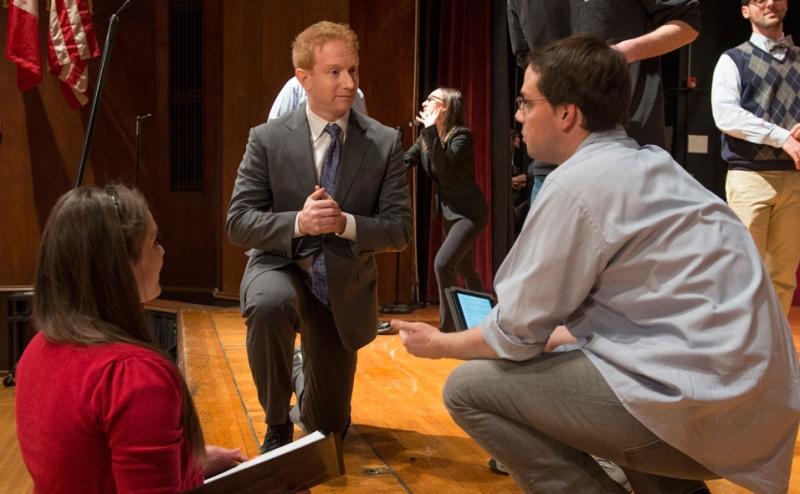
(99, 407)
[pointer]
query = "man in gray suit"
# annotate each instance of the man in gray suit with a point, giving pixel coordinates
(318, 193)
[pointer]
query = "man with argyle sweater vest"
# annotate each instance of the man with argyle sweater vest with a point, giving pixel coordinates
(755, 98)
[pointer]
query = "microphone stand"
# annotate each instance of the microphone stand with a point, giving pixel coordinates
(416, 300)
(112, 29)
(139, 119)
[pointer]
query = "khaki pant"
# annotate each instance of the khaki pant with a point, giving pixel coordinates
(768, 203)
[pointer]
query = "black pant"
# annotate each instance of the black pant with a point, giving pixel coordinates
(457, 255)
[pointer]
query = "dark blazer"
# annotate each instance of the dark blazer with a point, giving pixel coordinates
(276, 175)
(452, 168)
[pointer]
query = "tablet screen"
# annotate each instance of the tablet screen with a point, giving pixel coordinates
(473, 307)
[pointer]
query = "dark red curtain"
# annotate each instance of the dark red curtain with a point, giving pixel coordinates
(465, 61)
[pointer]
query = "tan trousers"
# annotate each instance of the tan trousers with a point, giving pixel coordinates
(768, 203)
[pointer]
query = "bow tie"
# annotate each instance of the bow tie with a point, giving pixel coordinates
(782, 43)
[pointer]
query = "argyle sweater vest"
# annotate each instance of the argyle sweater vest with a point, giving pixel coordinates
(770, 89)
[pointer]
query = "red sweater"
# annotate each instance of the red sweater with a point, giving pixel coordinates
(102, 418)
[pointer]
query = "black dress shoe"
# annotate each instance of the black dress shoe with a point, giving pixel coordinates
(385, 328)
(277, 436)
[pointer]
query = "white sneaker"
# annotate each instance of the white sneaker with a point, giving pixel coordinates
(614, 471)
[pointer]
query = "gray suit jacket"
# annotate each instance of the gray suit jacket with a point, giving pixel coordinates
(276, 175)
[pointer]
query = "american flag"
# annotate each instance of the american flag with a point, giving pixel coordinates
(22, 42)
(71, 44)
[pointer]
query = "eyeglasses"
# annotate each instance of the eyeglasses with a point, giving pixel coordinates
(525, 105)
(432, 98)
(763, 3)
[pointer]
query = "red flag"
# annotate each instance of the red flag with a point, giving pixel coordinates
(22, 42)
(71, 43)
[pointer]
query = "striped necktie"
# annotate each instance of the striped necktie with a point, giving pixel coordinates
(327, 180)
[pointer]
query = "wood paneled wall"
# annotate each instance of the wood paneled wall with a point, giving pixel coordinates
(186, 219)
(386, 32)
(257, 62)
(42, 137)
(39, 150)
(42, 141)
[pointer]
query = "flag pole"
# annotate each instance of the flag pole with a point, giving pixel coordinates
(87, 142)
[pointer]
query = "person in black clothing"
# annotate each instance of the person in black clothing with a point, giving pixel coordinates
(445, 151)
(522, 180)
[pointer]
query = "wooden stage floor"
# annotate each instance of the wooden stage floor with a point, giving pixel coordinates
(402, 439)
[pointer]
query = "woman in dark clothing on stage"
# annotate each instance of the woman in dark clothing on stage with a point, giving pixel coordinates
(445, 151)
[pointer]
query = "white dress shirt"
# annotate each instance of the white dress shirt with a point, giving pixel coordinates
(320, 141)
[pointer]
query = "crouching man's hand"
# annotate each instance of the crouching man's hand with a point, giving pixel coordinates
(420, 339)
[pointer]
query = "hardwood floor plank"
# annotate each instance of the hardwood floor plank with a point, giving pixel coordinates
(397, 412)
(14, 477)
(361, 464)
(213, 389)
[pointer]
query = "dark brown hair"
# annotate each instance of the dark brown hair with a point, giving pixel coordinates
(585, 71)
(85, 292)
(455, 117)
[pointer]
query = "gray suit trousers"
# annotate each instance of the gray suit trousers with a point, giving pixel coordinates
(542, 418)
(278, 303)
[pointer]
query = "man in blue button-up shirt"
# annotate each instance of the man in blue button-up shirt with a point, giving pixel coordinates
(684, 368)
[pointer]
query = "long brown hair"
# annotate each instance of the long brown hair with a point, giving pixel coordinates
(456, 116)
(85, 292)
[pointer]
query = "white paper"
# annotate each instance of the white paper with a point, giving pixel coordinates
(313, 437)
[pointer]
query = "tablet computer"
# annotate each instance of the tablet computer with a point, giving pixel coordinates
(469, 308)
